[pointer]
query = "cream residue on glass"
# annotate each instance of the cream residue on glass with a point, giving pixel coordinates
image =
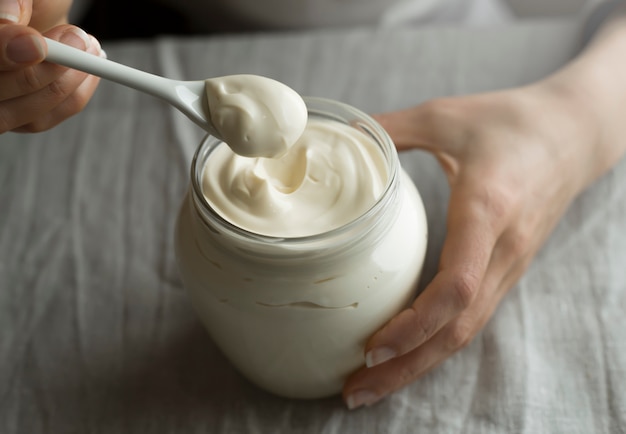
(256, 116)
(332, 174)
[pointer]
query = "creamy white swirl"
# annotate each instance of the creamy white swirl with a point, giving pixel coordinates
(332, 175)
(256, 116)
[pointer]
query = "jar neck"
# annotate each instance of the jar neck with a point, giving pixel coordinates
(366, 229)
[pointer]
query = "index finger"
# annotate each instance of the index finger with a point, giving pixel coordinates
(472, 235)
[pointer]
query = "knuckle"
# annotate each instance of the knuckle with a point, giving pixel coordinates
(27, 81)
(459, 336)
(497, 200)
(34, 127)
(57, 90)
(518, 241)
(409, 373)
(493, 203)
(423, 325)
(7, 121)
(439, 112)
(448, 120)
(440, 107)
(464, 289)
(76, 101)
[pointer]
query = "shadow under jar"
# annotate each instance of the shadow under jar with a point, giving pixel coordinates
(293, 314)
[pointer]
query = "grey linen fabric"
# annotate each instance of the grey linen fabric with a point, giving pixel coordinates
(97, 334)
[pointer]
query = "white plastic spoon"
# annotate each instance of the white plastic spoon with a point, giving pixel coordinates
(187, 96)
(256, 116)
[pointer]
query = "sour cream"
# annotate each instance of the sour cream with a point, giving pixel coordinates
(332, 175)
(256, 116)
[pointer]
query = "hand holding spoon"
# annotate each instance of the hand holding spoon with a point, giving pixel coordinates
(256, 116)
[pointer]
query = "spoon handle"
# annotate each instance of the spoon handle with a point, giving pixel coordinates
(77, 59)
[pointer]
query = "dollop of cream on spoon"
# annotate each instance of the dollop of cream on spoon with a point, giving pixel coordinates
(256, 116)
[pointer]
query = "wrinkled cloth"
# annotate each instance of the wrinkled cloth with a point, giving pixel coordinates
(97, 334)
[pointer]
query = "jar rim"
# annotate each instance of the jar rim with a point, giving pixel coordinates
(321, 107)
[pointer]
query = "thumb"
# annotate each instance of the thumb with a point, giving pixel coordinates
(435, 126)
(20, 46)
(410, 128)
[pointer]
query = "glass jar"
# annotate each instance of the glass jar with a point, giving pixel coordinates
(293, 314)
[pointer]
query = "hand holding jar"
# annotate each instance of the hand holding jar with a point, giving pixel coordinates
(515, 160)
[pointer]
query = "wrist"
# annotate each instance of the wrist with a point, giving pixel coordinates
(591, 92)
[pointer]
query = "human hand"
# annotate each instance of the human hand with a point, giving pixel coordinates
(514, 161)
(36, 95)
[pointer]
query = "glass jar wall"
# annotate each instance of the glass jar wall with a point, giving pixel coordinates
(293, 314)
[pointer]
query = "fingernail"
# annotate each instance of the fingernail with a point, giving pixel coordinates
(25, 49)
(379, 355)
(76, 38)
(360, 398)
(10, 10)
